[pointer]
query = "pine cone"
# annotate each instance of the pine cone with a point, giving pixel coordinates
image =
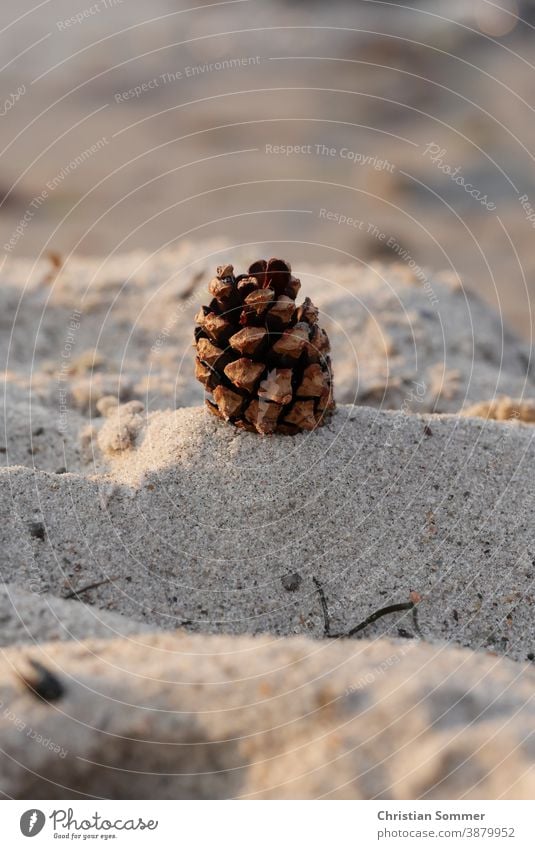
(263, 359)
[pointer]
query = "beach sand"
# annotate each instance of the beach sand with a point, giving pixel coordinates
(152, 516)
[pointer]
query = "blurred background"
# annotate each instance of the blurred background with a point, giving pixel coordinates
(356, 131)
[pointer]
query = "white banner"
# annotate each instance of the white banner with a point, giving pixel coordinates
(263, 825)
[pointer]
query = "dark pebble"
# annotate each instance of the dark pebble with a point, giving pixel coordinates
(291, 582)
(37, 530)
(45, 686)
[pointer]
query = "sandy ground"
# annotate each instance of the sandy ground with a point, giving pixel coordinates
(153, 516)
(123, 325)
(179, 716)
(29, 618)
(200, 525)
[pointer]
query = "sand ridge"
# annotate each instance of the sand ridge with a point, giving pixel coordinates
(196, 522)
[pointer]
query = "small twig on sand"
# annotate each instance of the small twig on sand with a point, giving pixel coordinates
(76, 593)
(326, 621)
(415, 620)
(373, 617)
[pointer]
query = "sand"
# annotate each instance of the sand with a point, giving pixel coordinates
(180, 716)
(160, 518)
(30, 618)
(123, 325)
(197, 523)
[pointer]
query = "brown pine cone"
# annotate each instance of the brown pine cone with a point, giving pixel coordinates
(263, 360)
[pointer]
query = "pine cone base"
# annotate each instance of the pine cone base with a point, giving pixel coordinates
(263, 360)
